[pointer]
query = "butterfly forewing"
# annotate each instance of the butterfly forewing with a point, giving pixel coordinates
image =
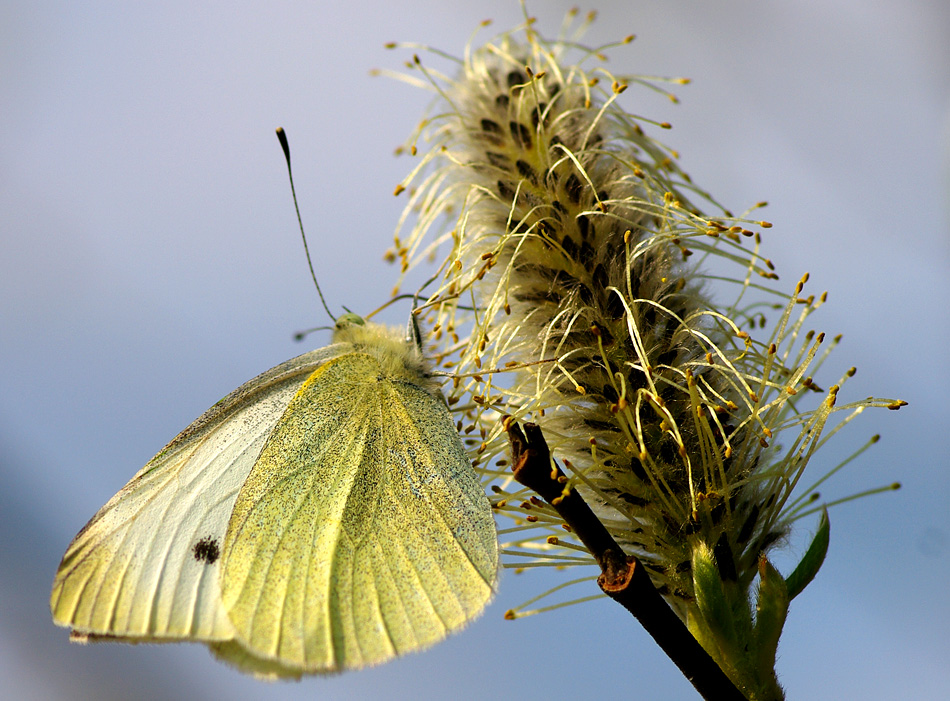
(145, 567)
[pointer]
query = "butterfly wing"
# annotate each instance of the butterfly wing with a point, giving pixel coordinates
(362, 532)
(146, 565)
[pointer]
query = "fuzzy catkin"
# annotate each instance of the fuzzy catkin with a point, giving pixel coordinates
(593, 279)
(567, 202)
(571, 239)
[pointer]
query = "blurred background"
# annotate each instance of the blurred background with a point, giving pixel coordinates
(150, 263)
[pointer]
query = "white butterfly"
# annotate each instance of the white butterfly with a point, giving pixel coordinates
(324, 516)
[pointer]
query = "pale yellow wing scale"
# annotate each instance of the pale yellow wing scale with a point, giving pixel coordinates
(362, 531)
(145, 567)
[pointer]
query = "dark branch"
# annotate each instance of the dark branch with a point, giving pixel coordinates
(623, 578)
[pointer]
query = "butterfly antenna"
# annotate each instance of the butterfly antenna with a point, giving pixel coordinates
(414, 334)
(282, 137)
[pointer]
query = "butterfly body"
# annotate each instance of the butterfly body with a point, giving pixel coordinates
(322, 517)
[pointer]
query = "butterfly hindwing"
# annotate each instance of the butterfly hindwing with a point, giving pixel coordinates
(362, 531)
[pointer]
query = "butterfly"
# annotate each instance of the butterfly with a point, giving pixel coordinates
(322, 517)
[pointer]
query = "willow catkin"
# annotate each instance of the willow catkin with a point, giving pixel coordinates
(567, 238)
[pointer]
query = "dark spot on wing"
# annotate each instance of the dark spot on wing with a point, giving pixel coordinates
(207, 549)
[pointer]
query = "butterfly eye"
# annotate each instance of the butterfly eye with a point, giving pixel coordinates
(349, 319)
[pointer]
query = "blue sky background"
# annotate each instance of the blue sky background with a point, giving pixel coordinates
(150, 263)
